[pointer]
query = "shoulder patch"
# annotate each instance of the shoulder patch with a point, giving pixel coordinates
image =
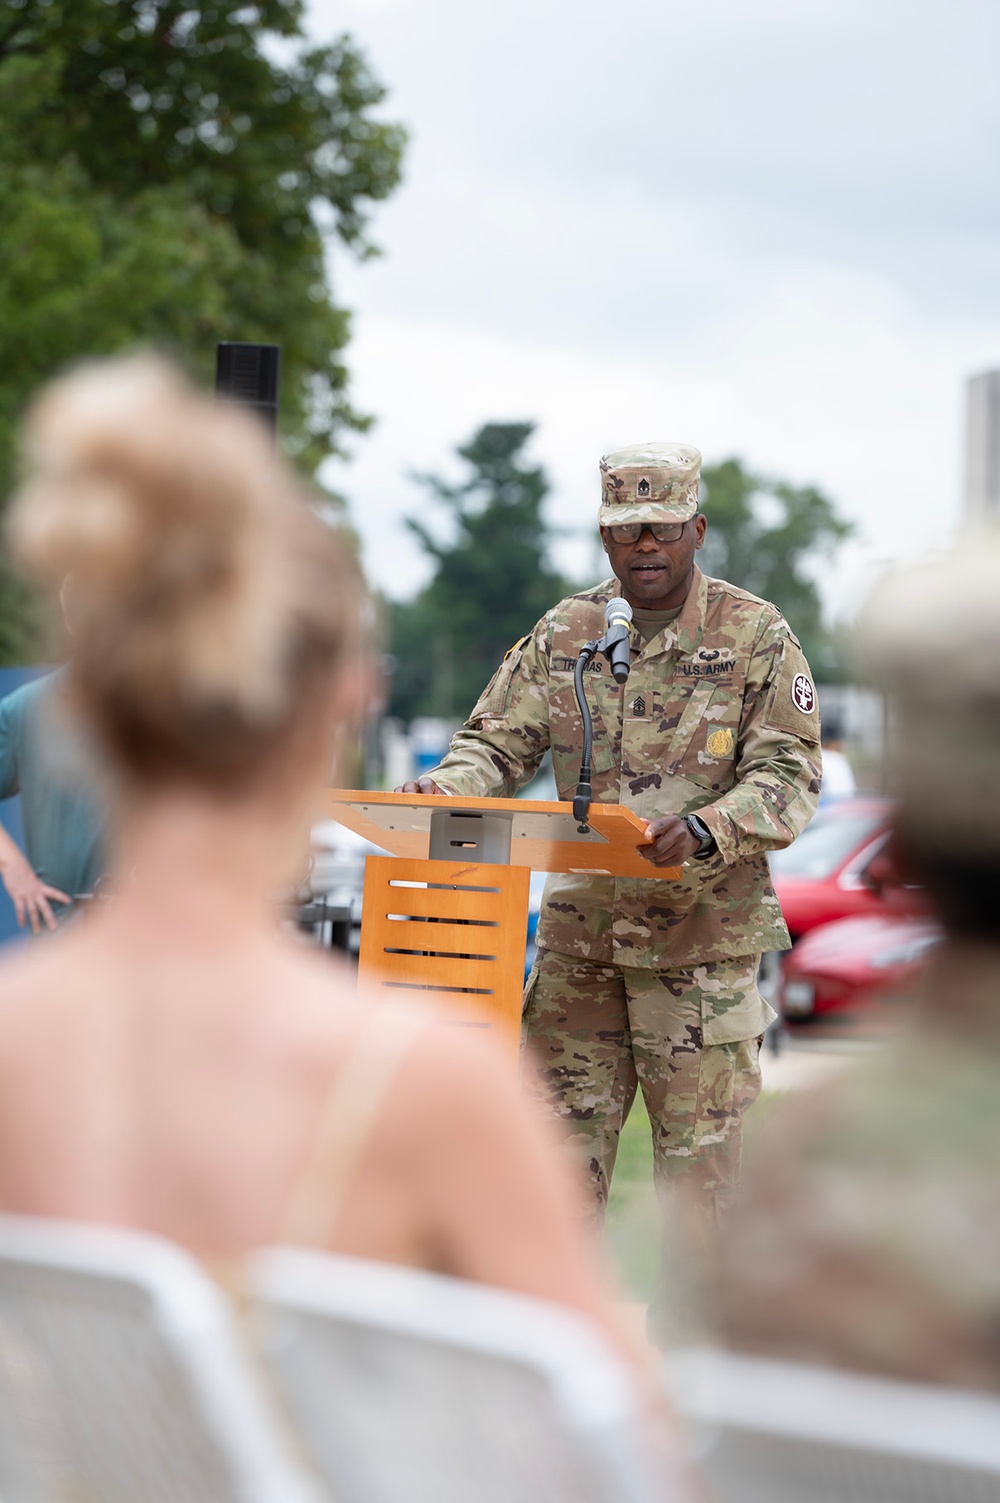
(518, 644)
(803, 693)
(794, 703)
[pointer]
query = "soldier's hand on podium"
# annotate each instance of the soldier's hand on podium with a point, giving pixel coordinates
(420, 785)
(671, 842)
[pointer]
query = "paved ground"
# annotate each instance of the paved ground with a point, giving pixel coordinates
(803, 1063)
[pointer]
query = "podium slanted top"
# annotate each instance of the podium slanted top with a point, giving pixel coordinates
(543, 835)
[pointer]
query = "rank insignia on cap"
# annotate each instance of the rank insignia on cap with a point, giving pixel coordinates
(720, 743)
(803, 694)
(642, 489)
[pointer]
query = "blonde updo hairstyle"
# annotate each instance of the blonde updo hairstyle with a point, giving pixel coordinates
(211, 607)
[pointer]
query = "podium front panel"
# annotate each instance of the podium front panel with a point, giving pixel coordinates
(471, 961)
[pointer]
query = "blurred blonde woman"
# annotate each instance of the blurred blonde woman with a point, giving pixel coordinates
(176, 1062)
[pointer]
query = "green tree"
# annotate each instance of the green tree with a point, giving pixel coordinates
(169, 174)
(764, 535)
(491, 582)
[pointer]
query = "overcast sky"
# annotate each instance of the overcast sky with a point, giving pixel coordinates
(770, 228)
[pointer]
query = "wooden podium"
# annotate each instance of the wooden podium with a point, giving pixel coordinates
(465, 864)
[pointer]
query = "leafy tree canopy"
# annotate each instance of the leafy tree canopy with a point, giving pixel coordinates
(491, 582)
(168, 170)
(763, 535)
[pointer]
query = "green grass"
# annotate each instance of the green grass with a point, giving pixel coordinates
(633, 1211)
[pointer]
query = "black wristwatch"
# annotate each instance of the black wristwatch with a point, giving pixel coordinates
(704, 837)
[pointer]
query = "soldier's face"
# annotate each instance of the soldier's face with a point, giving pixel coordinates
(656, 576)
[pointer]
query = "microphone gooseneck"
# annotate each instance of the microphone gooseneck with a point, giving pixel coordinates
(584, 791)
(616, 647)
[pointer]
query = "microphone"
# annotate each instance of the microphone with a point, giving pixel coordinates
(615, 642)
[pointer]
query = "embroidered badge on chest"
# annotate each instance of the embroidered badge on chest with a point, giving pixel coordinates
(638, 707)
(720, 743)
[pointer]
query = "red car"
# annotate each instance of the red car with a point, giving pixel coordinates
(837, 868)
(852, 960)
(856, 929)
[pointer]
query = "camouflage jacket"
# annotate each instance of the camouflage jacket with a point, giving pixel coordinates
(867, 1227)
(718, 716)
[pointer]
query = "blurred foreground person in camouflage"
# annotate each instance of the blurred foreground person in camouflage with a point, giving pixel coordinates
(653, 982)
(869, 1228)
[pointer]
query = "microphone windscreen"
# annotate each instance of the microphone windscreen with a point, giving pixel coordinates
(617, 610)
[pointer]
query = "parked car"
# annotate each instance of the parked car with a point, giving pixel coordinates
(845, 964)
(832, 871)
(856, 929)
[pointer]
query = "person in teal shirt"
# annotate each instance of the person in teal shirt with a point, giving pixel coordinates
(42, 759)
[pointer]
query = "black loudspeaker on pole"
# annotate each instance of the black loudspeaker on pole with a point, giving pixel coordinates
(250, 374)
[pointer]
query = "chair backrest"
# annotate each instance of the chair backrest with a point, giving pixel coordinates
(123, 1378)
(769, 1431)
(409, 1385)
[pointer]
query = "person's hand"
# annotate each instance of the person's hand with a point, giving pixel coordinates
(32, 898)
(419, 785)
(671, 842)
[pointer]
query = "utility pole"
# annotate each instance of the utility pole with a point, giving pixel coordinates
(982, 449)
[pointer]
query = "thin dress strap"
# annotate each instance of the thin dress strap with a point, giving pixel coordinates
(346, 1120)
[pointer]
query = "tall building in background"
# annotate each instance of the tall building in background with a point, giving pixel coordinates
(982, 448)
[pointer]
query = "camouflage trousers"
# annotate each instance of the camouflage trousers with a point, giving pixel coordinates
(597, 1032)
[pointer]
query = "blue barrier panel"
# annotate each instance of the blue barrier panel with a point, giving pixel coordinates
(10, 808)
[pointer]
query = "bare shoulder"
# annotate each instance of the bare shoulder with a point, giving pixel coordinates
(47, 995)
(458, 1075)
(448, 1073)
(318, 973)
(320, 1008)
(34, 976)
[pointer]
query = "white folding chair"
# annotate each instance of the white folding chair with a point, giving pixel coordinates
(409, 1387)
(123, 1378)
(770, 1431)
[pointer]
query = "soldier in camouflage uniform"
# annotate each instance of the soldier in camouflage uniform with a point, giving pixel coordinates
(868, 1229)
(652, 982)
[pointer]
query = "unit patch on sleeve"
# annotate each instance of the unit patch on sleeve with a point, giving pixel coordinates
(793, 702)
(803, 694)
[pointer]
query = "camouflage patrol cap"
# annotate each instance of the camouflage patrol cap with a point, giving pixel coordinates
(930, 637)
(649, 483)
